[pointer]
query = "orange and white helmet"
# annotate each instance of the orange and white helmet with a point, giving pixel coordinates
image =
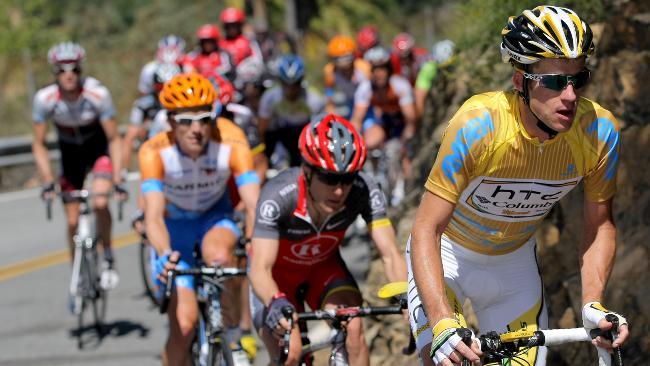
(187, 91)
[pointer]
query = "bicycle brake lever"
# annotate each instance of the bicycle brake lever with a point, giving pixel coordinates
(617, 357)
(466, 335)
(410, 349)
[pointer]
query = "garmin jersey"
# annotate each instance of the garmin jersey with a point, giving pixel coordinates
(282, 214)
(79, 121)
(191, 186)
(340, 90)
(503, 181)
(282, 112)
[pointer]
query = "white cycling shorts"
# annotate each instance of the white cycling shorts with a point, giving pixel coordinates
(506, 292)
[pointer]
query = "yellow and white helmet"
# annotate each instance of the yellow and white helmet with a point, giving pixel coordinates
(545, 32)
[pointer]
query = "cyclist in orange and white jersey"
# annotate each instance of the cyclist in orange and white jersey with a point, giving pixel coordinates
(185, 181)
(505, 160)
(343, 74)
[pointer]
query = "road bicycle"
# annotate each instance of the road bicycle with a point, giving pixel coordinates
(210, 346)
(85, 289)
(506, 348)
(337, 317)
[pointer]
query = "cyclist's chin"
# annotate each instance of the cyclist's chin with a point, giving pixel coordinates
(329, 207)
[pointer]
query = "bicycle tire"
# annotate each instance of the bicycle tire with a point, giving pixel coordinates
(145, 272)
(99, 295)
(83, 289)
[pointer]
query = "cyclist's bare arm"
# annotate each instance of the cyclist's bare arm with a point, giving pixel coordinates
(432, 217)
(41, 155)
(265, 252)
(391, 257)
(597, 257)
(114, 147)
(420, 96)
(127, 144)
(249, 194)
(358, 112)
(410, 120)
(154, 222)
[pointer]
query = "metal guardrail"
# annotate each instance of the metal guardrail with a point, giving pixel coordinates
(17, 150)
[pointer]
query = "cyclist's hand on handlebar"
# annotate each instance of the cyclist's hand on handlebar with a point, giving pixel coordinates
(48, 191)
(593, 316)
(121, 192)
(274, 318)
(447, 347)
(166, 263)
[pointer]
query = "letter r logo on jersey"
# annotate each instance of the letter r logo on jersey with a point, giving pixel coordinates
(269, 210)
(305, 250)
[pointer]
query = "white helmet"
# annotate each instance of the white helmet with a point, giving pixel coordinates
(443, 51)
(250, 70)
(66, 52)
(170, 49)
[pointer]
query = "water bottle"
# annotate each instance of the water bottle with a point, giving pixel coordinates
(239, 356)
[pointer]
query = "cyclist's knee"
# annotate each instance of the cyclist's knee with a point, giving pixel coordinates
(100, 204)
(186, 324)
(355, 339)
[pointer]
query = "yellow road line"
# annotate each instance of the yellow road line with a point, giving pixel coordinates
(54, 258)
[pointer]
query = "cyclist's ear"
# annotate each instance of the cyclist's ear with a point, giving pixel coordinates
(518, 81)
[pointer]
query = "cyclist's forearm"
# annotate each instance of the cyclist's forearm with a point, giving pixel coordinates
(157, 233)
(597, 259)
(264, 286)
(432, 217)
(115, 152)
(427, 271)
(42, 159)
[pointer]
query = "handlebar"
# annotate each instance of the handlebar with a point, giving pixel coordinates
(508, 344)
(83, 195)
(287, 311)
(217, 273)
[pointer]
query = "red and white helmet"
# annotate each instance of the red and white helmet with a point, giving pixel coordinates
(66, 52)
(208, 31)
(367, 38)
(333, 145)
(232, 15)
(403, 44)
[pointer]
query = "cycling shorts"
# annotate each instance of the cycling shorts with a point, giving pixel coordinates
(78, 160)
(505, 291)
(312, 285)
(187, 234)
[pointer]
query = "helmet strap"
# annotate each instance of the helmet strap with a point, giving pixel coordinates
(526, 96)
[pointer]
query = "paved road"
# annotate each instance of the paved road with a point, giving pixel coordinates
(36, 326)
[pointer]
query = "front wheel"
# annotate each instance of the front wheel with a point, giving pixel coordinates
(147, 258)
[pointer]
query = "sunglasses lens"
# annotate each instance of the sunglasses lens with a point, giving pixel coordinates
(559, 82)
(335, 179)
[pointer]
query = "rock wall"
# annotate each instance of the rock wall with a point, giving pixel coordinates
(620, 83)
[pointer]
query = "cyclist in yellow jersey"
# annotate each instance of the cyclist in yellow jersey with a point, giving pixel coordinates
(506, 158)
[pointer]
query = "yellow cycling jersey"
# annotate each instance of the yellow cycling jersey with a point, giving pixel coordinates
(503, 181)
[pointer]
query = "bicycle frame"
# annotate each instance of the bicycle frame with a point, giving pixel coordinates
(337, 337)
(209, 287)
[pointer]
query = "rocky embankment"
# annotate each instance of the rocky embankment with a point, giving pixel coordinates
(621, 83)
